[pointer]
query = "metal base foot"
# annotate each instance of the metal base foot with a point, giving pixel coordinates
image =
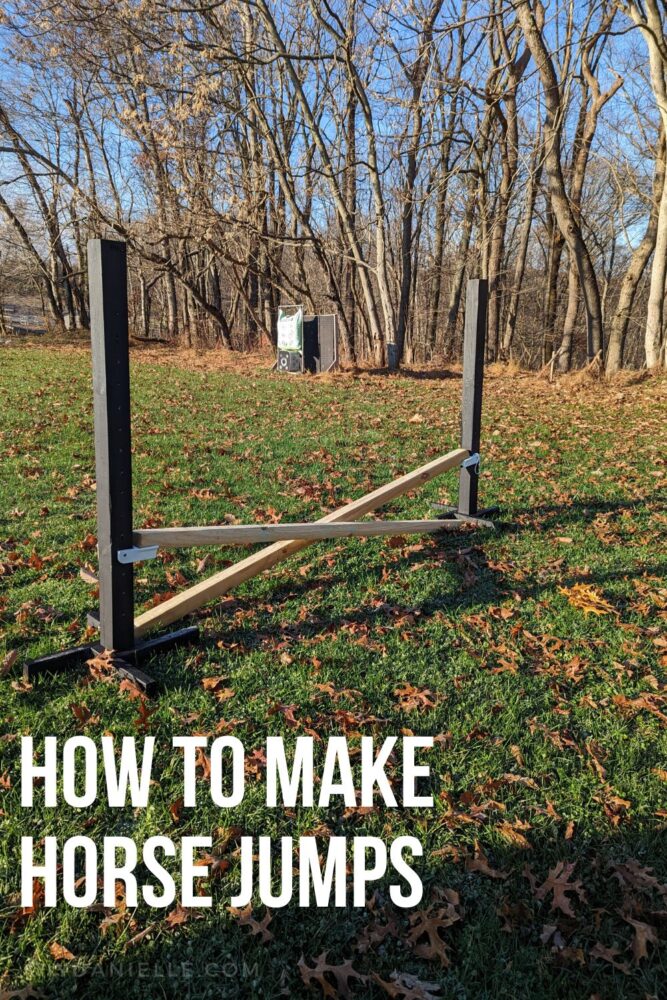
(126, 662)
(481, 518)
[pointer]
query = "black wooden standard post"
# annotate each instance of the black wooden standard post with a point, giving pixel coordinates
(107, 270)
(474, 336)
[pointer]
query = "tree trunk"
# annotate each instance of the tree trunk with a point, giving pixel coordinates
(649, 20)
(566, 218)
(145, 301)
(556, 245)
(656, 298)
(569, 323)
(522, 251)
(457, 282)
(636, 267)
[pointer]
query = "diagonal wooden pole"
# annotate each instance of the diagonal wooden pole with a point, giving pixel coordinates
(219, 584)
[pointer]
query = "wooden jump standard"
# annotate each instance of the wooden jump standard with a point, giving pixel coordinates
(119, 546)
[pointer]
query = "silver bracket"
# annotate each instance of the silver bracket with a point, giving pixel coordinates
(137, 553)
(472, 461)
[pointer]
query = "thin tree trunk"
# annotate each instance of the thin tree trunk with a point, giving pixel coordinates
(569, 323)
(649, 19)
(636, 267)
(522, 250)
(656, 298)
(454, 303)
(565, 216)
(556, 245)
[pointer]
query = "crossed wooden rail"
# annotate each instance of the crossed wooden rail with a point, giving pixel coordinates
(333, 525)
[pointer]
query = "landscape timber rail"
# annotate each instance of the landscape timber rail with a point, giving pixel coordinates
(258, 534)
(120, 545)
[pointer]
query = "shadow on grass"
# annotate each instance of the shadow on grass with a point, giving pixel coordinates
(585, 511)
(471, 585)
(500, 937)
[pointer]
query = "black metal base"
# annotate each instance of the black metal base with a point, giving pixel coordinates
(126, 663)
(482, 518)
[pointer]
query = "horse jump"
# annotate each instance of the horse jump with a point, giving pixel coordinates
(120, 545)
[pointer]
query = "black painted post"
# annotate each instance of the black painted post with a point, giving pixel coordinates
(107, 277)
(474, 336)
(107, 284)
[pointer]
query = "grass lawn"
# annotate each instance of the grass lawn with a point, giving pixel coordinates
(545, 857)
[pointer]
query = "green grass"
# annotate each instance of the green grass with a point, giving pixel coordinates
(524, 682)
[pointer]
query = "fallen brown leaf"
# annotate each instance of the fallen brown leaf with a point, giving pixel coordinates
(557, 882)
(8, 662)
(333, 980)
(587, 599)
(60, 953)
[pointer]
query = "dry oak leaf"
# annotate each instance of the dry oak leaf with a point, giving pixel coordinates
(514, 915)
(287, 712)
(479, 863)
(113, 920)
(83, 715)
(255, 763)
(587, 599)
(101, 667)
(644, 935)
(21, 686)
(8, 662)
(216, 685)
(179, 915)
(143, 716)
(24, 913)
(60, 953)
(203, 761)
(175, 810)
(403, 986)
(410, 698)
(614, 807)
(631, 874)
(557, 882)
(609, 955)
(427, 929)
(246, 919)
(552, 936)
(131, 690)
(374, 934)
(648, 702)
(509, 832)
(217, 865)
(333, 980)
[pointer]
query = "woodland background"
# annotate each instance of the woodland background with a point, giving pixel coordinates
(361, 158)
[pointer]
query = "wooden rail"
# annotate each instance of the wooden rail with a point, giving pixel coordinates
(220, 583)
(253, 534)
